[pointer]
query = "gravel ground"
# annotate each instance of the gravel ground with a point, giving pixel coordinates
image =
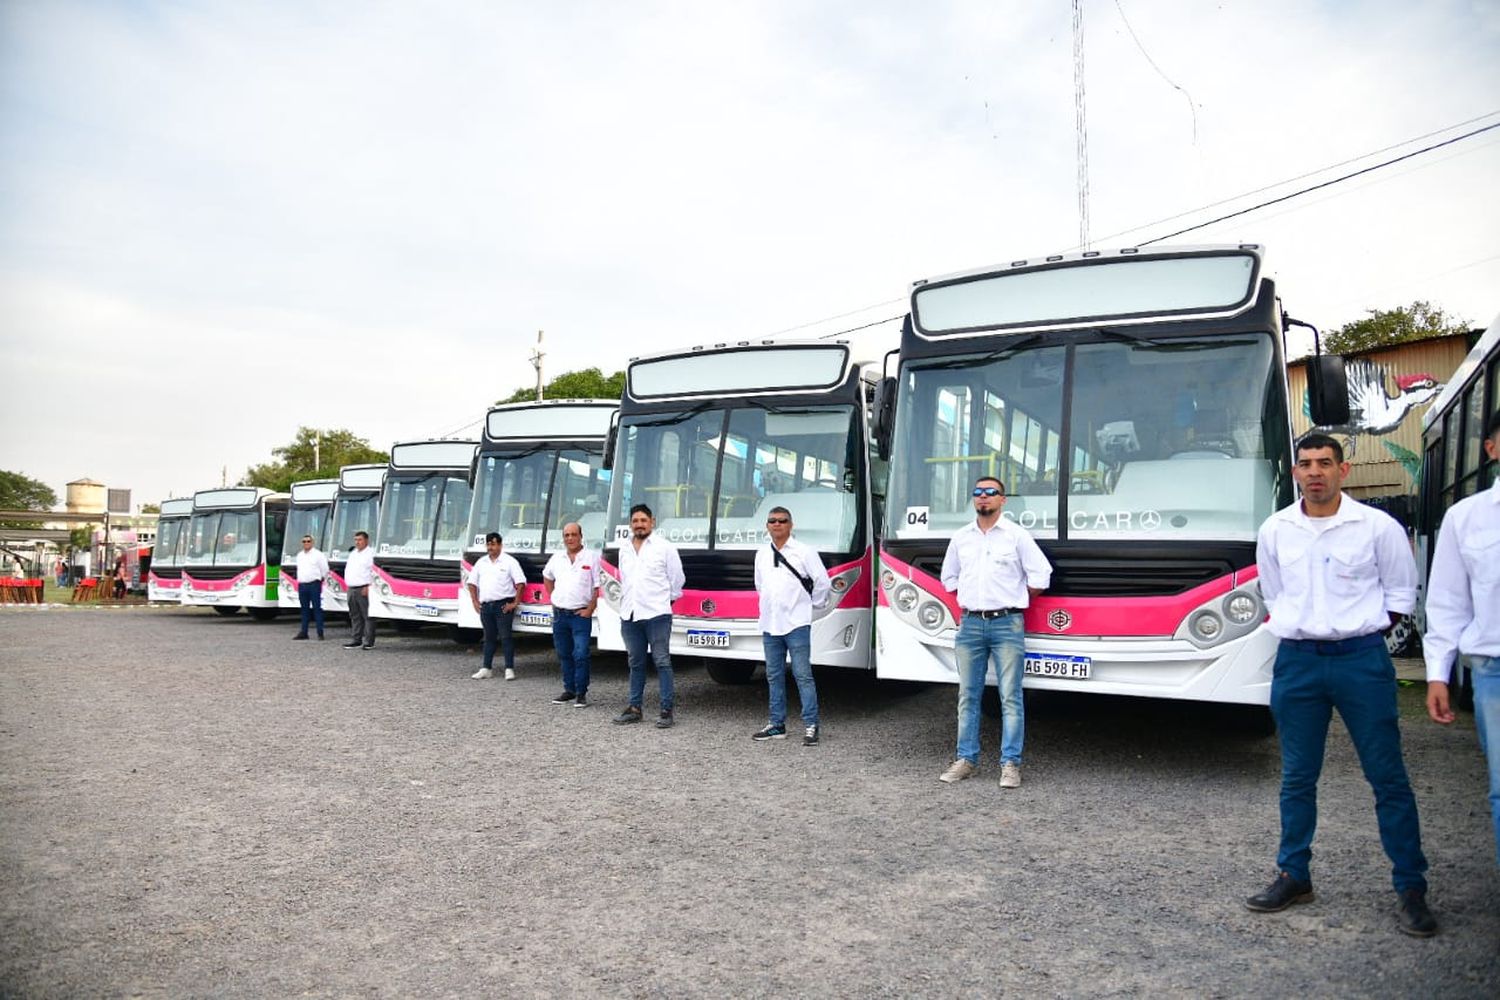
(192, 805)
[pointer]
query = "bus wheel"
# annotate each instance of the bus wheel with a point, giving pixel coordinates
(264, 614)
(730, 671)
(465, 636)
(220, 609)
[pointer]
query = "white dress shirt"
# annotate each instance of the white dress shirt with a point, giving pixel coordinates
(312, 565)
(359, 571)
(497, 578)
(1463, 592)
(1334, 577)
(573, 580)
(784, 603)
(650, 580)
(992, 569)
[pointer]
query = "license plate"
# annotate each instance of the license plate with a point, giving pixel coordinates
(1073, 668)
(703, 637)
(536, 618)
(428, 610)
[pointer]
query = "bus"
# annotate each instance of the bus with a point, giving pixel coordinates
(1454, 465)
(1134, 404)
(712, 438)
(233, 550)
(355, 508)
(164, 581)
(424, 510)
(307, 514)
(538, 467)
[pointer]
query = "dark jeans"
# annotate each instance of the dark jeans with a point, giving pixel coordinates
(570, 637)
(497, 625)
(657, 634)
(1356, 677)
(360, 622)
(310, 598)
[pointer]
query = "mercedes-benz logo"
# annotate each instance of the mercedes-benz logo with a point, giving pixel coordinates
(1150, 519)
(426, 591)
(1060, 620)
(708, 607)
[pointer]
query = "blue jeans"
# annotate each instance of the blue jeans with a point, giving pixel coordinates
(983, 642)
(1487, 721)
(657, 633)
(798, 645)
(570, 637)
(1308, 682)
(497, 631)
(310, 599)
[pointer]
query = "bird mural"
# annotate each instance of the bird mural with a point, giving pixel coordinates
(1373, 409)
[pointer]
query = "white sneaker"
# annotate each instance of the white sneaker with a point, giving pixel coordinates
(957, 771)
(510, 674)
(482, 674)
(1010, 775)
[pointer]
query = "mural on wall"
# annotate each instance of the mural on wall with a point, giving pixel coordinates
(1378, 403)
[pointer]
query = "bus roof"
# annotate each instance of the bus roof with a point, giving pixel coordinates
(1062, 291)
(740, 368)
(314, 491)
(361, 478)
(434, 456)
(180, 507)
(231, 497)
(550, 420)
(1487, 345)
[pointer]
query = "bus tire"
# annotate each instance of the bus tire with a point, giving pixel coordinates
(265, 614)
(465, 636)
(730, 671)
(220, 609)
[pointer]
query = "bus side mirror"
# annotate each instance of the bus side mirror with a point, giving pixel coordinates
(884, 417)
(1327, 390)
(607, 461)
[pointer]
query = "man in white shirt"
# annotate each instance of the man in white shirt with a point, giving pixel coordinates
(1463, 614)
(494, 587)
(571, 580)
(650, 580)
(359, 573)
(791, 580)
(312, 567)
(1335, 576)
(995, 568)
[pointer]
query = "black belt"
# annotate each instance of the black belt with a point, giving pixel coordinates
(1335, 647)
(568, 611)
(997, 613)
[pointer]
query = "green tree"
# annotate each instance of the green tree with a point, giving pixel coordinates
(590, 383)
(21, 492)
(1383, 327)
(313, 454)
(150, 508)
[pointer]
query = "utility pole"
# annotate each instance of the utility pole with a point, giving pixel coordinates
(536, 362)
(317, 451)
(1080, 125)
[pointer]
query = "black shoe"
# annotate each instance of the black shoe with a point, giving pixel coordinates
(771, 732)
(564, 698)
(1280, 894)
(299, 635)
(1416, 918)
(368, 645)
(810, 736)
(631, 714)
(320, 636)
(665, 720)
(582, 701)
(352, 645)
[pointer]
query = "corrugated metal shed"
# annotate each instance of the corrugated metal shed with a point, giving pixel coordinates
(1389, 389)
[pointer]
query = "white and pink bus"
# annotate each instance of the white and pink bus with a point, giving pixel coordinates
(356, 507)
(424, 511)
(164, 581)
(1134, 403)
(308, 514)
(538, 467)
(233, 555)
(711, 439)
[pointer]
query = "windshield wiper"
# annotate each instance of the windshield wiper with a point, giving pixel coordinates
(1002, 354)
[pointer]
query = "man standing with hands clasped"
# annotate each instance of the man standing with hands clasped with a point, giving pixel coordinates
(1463, 613)
(650, 580)
(571, 580)
(312, 568)
(1336, 575)
(494, 587)
(359, 573)
(995, 567)
(791, 581)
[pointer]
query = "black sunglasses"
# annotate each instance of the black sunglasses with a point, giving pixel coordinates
(987, 491)
(778, 520)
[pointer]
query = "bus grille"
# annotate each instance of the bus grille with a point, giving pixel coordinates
(420, 570)
(215, 572)
(167, 572)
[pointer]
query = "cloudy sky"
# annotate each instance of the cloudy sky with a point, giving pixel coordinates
(220, 221)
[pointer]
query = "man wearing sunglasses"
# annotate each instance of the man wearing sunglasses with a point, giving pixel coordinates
(995, 568)
(791, 581)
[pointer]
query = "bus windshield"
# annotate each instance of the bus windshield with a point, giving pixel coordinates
(1172, 438)
(518, 497)
(356, 512)
(423, 517)
(304, 521)
(169, 535)
(712, 475)
(224, 538)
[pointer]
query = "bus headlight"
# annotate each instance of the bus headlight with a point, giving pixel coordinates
(1206, 625)
(612, 591)
(905, 597)
(887, 580)
(1241, 608)
(931, 615)
(382, 586)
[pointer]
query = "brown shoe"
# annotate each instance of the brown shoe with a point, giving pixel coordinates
(958, 771)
